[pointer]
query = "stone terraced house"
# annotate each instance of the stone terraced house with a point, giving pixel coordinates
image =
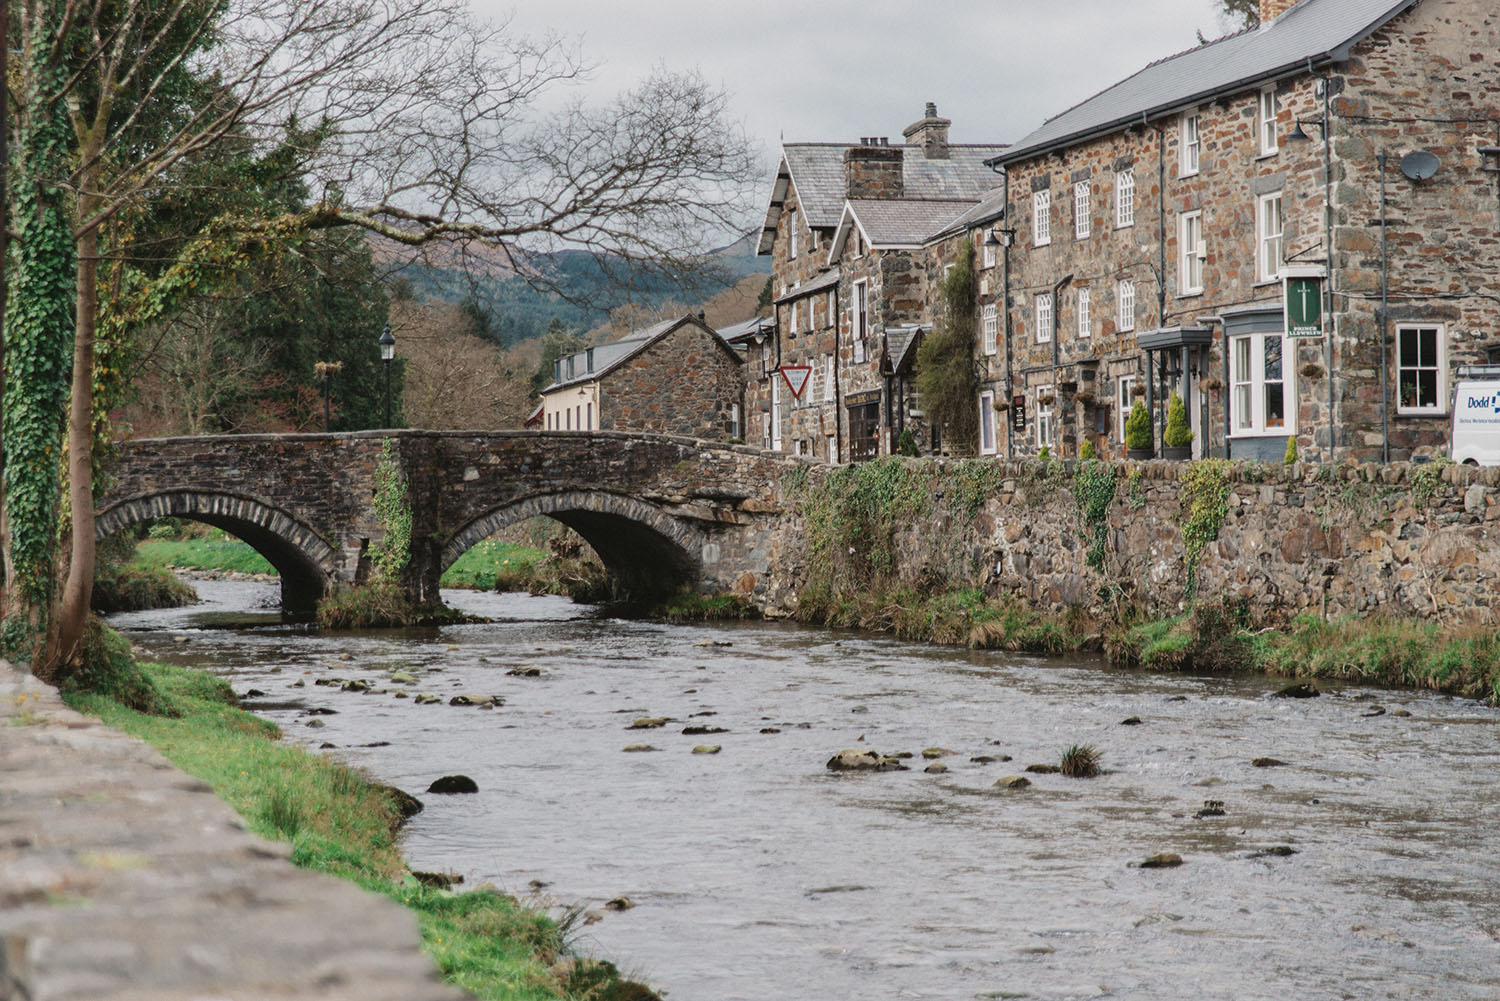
(1296, 227)
(846, 229)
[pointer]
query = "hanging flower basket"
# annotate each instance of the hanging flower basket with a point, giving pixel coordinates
(1046, 400)
(1137, 390)
(1085, 397)
(1213, 384)
(1001, 406)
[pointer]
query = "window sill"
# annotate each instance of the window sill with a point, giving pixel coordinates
(1422, 413)
(1267, 433)
(1268, 154)
(1183, 177)
(1191, 293)
(1265, 282)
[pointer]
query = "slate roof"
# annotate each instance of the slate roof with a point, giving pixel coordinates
(904, 221)
(989, 208)
(736, 333)
(817, 171)
(1317, 30)
(608, 357)
(901, 347)
(827, 279)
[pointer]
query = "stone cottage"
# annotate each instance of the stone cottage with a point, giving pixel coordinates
(677, 377)
(1295, 227)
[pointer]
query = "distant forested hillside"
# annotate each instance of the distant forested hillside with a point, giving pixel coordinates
(514, 312)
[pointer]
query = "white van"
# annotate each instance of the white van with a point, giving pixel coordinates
(1474, 435)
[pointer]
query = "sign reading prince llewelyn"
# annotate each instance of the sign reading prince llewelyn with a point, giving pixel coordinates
(1303, 296)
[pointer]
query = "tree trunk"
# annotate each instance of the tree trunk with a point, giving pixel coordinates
(78, 588)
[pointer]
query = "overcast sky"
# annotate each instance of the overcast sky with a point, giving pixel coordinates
(841, 69)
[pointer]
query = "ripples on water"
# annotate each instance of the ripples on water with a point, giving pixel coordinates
(759, 874)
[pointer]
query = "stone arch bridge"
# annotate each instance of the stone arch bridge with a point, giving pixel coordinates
(661, 511)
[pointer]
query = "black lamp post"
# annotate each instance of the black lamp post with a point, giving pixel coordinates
(387, 352)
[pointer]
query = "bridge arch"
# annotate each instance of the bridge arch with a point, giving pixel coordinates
(307, 564)
(647, 551)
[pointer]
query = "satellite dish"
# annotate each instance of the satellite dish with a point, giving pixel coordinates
(1419, 166)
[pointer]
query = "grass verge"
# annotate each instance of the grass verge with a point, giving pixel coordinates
(495, 566)
(340, 823)
(207, 552)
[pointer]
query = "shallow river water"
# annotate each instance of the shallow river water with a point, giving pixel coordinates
(757, 873)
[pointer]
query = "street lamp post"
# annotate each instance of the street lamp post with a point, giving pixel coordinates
(387, 352)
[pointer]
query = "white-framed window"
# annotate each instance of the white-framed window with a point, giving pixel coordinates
(1190, 145)
(989, 253)
(1260, 389)
(588, 416)
(1124, 198)
(776, 412)
(1125, 300)
(1265, 121)
(987, 422)
(1041, 218)
(792, 325)
(1043, 318)
(832, 313)
(1421, 370)
(1046, 425)
(833, 450)
(860, 318)
(1124, 400)
(1189, 257)
(1082, 199)
(828, 378)
(1268, 229)
(791, 232)
(1083, 311)
(991, 327)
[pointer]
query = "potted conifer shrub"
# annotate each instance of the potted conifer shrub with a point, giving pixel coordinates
(1138, 432)
(1177, 441)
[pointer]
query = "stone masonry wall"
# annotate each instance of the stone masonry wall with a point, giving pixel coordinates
(688, 383)
(1340, 539)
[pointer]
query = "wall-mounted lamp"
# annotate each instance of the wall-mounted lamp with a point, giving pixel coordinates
(1297, 135)
(1000, 238)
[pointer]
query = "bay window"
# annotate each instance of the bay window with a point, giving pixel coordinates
(1260, 391)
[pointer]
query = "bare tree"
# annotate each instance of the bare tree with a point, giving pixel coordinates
(454, 378)
(412, 120)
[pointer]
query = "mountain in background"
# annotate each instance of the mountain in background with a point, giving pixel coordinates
(517, 312)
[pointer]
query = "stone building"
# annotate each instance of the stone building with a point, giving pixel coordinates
(1296, 227)
(677, 377)
(847, 230)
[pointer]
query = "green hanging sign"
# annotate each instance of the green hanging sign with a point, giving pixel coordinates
(1303, 297)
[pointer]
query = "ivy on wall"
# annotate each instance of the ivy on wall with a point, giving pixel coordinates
(1094, 489)
(393, 552)
(1204, 489)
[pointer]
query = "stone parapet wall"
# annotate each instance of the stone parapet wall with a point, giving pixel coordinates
(1420, 541)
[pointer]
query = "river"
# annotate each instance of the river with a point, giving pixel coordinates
(757, 873)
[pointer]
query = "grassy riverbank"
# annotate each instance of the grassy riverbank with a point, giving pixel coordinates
(1212, 636)
(341, 823)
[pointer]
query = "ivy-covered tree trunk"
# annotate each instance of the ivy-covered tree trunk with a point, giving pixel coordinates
(38, 331)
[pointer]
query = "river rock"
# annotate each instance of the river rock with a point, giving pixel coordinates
(770, 729)
(1301, 690)
(619, 904)
(637, 748)
(936, 768)
(525, 671)
(405, 803)
(1161, 860)
(697, 730)
(1012, 782)
(1277, 851)
(299, 683)
(440, 880)
(403, 678)
(1131, 721)
(708, 748)
(648, 723)
(327, 745)
(482, 701)
(854, 760)
(1043, 769)
(329, 682)
(1268, 763)
(320, 711)
(1403, 713)
(453, 784)
(936, 752)
(315, 723)
(714, 643)
(427, 699)
(400, 693)
(252, 693)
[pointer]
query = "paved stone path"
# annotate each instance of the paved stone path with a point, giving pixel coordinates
(123, 879)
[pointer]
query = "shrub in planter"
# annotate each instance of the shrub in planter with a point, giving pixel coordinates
(1178, 434)
(1138, 431)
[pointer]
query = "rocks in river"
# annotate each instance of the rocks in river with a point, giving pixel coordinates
(1012, 782)
(1374, 711)
(482, 701)
(1043, 769)
(315, 723)
(327, 745)
(329, 682)
(936, 752)
(714, 643)
(1131, 721)
(252, 693)
(405, 803)
(854, 760)
(453, 784)
(708, 748)
(697, 729)
(403, 678)
(1276, 851)
(638, 748)
(526, 671)
(1403, 713)
(320, 711)
(1161, 860)
(1211, 808)
(770, 729)
(1301, 690)
(440, 880)
(1268, 763)
(427, 699)
(649, 722)
(400, 693)
(299, 683)
(619, 904)
(988, 759)
(936, 768)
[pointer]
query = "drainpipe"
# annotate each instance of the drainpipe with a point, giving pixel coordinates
(1056, 389)
(838, 387)
(1385, 305)
(1328, 246)
(1161, 223)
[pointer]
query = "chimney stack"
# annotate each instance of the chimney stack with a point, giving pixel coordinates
(873, 170)
(1270, 10)
(931, 132)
